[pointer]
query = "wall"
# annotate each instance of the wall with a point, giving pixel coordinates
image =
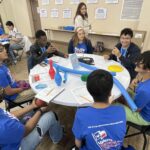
(19, 12)
(112, 24)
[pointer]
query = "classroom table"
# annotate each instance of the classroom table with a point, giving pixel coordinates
(75, 93)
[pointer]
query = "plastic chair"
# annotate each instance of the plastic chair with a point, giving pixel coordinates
(25, 48)
(11, 104)
(144, 130)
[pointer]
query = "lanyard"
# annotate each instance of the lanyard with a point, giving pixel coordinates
(123, 52)
(43, 49)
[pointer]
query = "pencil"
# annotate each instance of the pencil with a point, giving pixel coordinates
(85, 98)
(49, 91)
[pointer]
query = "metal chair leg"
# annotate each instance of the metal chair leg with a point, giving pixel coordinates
(145, 141)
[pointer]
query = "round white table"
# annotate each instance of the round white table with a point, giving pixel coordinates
(75, 87)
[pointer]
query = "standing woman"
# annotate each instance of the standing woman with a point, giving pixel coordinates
(80, 43)
(81, 18)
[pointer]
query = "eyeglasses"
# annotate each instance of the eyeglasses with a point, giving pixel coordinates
(2, 49)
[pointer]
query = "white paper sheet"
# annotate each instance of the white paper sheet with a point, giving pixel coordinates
(54, 13)
(100, 13)
(82, 96)
(45, 2)
(49, 94)
(43, 13)
(58, 2)
(74, 1)
(112, 1)
(67, 13)
(92, 1)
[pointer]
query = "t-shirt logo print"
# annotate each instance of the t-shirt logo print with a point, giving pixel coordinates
(104, 143)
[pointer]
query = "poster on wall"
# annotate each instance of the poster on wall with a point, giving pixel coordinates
(100, 13)
(54, 13)
(43, 13)
(92, 1)
(74, 1)
(111, 1)
(58, 2)
(67, 13)
(45, 2)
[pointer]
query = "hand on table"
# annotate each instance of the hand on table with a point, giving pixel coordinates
(106, 57)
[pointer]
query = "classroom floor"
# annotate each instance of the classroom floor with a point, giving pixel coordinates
(66, 116)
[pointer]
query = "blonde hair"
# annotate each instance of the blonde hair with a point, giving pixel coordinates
(75, 36)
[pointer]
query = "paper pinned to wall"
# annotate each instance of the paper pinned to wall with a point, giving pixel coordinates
(92, 1)
(54, 13)
(74, 1)
(45, 2)
(100, 13)
(38, 10)
(112, 1)
(58, 2)
(138, 36)
(67, 13)
(43, 13)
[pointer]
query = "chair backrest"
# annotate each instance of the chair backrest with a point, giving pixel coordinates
(139, 37)
(27, 43)
(30, 63)
(1, 94)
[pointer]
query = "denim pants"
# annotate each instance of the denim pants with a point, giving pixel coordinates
(14, 47)
(46, 123)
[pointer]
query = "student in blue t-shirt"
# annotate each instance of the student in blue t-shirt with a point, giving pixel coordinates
(15, 135)
(142, 92)
(126, 52)
(101, 126)
(79, 43)
(13, 91)
(1, 29)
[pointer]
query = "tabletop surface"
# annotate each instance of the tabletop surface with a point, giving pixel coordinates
(75, 93)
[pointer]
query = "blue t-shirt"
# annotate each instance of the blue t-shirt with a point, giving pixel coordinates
(142, 99)
(7, 80)
(11, 131)
(80, 48)
(100, 128)
(1, 31)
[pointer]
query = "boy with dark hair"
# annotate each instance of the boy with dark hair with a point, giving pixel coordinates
(101, 126)
(42, 49)
(126, 52)
(142, 92)
(9, 23)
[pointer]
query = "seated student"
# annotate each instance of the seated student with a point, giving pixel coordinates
(1, 29)
(142, 92)
(27, 136)
(43, 49)
(79, 43)
(126, 52)
(100, 126)
(16, 40)
(14, 91)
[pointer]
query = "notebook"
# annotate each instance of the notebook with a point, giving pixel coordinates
(50, 93)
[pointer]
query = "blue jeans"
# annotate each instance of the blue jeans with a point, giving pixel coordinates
(46, 123)
(14, 47)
